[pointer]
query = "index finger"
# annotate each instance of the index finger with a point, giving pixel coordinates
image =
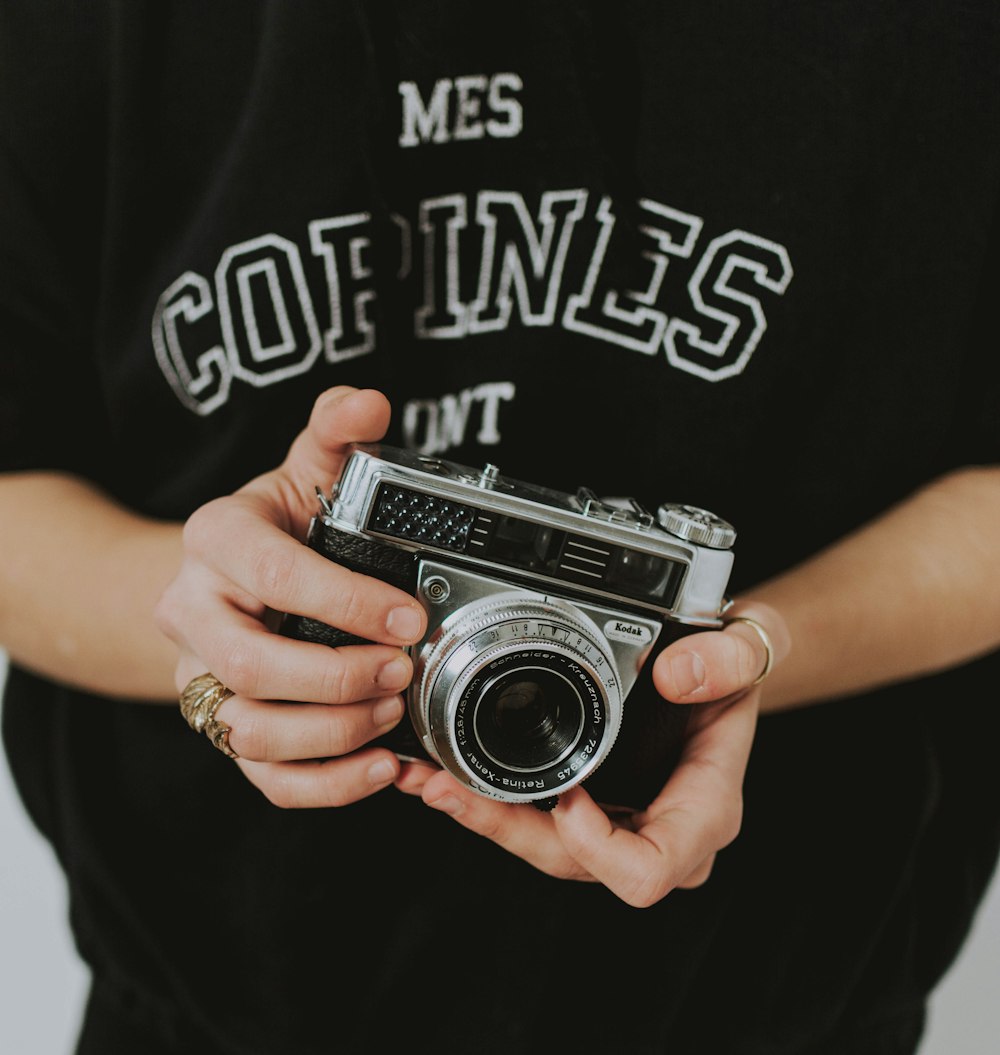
(265, 563)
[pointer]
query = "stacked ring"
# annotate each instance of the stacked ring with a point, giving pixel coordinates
(201, 698)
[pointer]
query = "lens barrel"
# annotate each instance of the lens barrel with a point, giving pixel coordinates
(517, 698)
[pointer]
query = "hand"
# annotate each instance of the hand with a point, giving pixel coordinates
(673, 843)
(302, 712)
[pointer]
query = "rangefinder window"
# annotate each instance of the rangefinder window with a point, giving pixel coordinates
(523, 544)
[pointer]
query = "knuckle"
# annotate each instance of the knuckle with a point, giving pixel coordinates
(167, 613)
(274, 572)
(748, 665)
(289, 787)
(493, 828)
(723, 824)
(645, 891)
(731, 823)
(337, 736)
(282, 791)
(240, 667)
(251, 738)
(355, 602)
(337, 677)
(202, 527)
(560, 868)
(702, 874)
(334, 791)
(723, 828)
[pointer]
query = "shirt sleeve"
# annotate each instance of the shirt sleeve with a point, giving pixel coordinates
(51, 150)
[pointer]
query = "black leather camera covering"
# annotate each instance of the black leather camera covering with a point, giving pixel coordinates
(652, 730)
(369, 557)
(361, 554)
(649, 742)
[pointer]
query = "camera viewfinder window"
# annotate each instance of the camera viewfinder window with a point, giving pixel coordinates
(618, 569)
(640, 574)
(523, 544)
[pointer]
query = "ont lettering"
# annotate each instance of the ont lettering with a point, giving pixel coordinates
(432, 426)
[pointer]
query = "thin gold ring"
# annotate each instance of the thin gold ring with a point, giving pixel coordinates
(201, 698)
(765, 638)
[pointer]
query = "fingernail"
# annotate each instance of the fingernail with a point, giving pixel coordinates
(388, 712)
(395, 674)
(381, 772)
(688, 672)
(404, 623)
(449, 804)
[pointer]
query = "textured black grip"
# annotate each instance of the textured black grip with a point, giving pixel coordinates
(391, 564)
(651, 740)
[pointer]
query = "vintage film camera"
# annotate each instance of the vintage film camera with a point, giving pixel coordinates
(545, 613)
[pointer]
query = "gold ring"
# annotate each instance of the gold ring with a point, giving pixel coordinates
(764, 636)
(201, 698)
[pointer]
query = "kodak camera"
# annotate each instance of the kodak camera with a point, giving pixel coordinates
(545, 613)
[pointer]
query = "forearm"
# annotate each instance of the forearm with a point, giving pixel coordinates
(915, 591)
(79, 578)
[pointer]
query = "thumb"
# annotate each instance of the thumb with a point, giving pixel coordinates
(718, 663)
(340, 417)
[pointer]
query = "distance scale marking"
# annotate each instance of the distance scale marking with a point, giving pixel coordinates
(537, 630)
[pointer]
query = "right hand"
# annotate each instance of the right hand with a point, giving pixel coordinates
(302, 712)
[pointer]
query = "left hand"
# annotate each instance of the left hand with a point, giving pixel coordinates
(641, 857)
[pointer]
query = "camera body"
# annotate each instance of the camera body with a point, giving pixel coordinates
(545, 613)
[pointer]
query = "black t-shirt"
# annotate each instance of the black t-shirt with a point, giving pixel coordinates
(734, 255)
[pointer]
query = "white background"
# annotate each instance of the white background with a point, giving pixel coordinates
(42, 982)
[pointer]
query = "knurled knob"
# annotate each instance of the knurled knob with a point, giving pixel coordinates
(696, 525)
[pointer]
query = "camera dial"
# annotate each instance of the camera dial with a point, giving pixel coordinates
(696, 525)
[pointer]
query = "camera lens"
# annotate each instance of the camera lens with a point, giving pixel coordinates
(529, 718)
(516, 696)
